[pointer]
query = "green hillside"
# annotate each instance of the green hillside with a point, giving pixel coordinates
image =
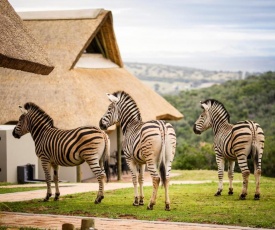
(252, 98)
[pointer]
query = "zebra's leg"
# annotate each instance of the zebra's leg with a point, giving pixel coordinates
(170, 149)
(167, 199)
(140, 181)
(156, 181)
(56, 179)
(242, 161)
(133, 169)
(47, 170)
(100, 179)
(231, 166)
(257, 174)
(99, 172)
(220, 163)
(100, 194)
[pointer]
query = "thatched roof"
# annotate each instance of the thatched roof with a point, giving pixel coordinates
(18, 48)
(77, 96)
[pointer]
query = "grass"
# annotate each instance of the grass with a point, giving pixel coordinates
(194, 203)
(19, 189)
(200, 175)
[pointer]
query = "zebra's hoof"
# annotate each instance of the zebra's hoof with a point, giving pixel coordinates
(150, 207)
(141, 201)
(230, 192)
(56, 197)
(136, 203)
(218, 193)
(257, 197)
(242, 196)
(99, 199)
(47, 197)
(167, 207)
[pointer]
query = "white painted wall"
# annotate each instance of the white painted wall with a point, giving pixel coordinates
(15, 152)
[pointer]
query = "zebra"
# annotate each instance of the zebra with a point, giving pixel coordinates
(149, 143)
(56, 147)
(240, 141)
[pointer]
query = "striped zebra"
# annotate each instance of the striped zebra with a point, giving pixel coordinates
(64, 147)
(239, 142)
(149, 143)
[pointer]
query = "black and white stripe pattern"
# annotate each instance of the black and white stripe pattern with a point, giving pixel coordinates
(233, 142)
(64, 147)
(149, 143)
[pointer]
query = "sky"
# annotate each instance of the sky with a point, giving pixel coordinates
(222, 35)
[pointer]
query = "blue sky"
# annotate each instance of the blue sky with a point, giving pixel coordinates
(209, 34)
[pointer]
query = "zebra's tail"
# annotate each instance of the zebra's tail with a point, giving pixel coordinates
(254, 149)
(162, 166)
(106, 156)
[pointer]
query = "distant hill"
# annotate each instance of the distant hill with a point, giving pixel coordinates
(167, 79)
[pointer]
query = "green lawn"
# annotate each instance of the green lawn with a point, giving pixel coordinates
(189, 203)
(19, 189)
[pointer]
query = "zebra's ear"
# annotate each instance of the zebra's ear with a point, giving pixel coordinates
(27, 106)
(22, 109)
(112, 98)
(204, 106)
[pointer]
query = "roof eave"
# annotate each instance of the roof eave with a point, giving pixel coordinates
(19, 50)
(24, 65)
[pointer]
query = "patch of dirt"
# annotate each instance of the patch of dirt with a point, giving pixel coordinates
(127, 216)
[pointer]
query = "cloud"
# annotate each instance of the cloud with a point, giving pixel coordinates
(201, 40)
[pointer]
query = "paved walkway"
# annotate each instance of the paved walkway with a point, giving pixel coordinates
(56, 221)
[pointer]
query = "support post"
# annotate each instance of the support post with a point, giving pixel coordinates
(78, 173)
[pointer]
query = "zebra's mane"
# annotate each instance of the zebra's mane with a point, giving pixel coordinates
(216, 102)
(32, 106)
(122, 94)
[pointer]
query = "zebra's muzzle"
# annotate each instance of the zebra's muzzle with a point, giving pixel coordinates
(102, 126)
(195, 130)
(15, 134)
